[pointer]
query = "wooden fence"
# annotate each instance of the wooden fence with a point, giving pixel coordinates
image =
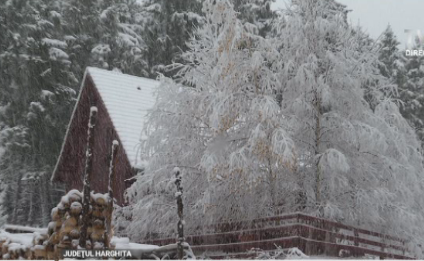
(312, 235)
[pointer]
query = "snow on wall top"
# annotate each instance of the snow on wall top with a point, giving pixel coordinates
(127, 99)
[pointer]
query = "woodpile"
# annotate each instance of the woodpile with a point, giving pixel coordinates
(14, 250)
(19, 244)
(80, 220)
(64, 229)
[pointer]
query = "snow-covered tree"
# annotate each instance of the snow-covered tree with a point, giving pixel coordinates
(3, 187)
(38, 91)
(280, 125)
(121, 45)
(168, 25)
(45, 47)
(411, 93)
(256, 12)
(107, 34)
(406, 72)
(356, 164)
(224, 129)
(389, 55)
(81, 29)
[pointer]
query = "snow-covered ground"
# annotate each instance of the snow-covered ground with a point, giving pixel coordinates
(25, 241)
(124, 243)
(26, 228)
(17, 243)
(22, 239)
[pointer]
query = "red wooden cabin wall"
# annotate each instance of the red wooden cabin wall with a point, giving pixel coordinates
(72, 161)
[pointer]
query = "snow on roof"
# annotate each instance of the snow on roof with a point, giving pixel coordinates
(127, 99)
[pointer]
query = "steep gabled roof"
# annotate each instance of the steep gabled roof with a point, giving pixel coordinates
(127, 99)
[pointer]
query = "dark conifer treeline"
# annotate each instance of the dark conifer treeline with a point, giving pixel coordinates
(45, 46)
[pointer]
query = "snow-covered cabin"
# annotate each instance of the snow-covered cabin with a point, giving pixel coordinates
(122, 101)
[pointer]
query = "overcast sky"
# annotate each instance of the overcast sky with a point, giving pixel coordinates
(375, 15)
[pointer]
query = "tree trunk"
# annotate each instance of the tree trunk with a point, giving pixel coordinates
(17, 198)
(180, 228)
(317, 151)
(87, 176)
(272, 190)
(112, 166)
(43, 200)
(47, 204)
(31, 202)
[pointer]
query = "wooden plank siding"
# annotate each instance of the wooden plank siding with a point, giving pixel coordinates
(70, 167)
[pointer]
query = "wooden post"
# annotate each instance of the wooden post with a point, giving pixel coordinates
(180, 228)
(356, 242)
(109, 212)
(87, 176)
(403, 247)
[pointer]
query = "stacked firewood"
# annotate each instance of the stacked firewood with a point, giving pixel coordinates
(64, 230)
(14, 250)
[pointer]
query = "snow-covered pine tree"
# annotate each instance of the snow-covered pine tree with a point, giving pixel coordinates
(45, 47)
(81, 30)
(3, 187)
(225, 132)
(256, 12)
(120, 45)
(390, 56)
(168, 26)
(356, 165)
(372, 93)
(411, 93)
(406, 73)
(106, 34)
(14, 136)
(39, 92)
(3, 214)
